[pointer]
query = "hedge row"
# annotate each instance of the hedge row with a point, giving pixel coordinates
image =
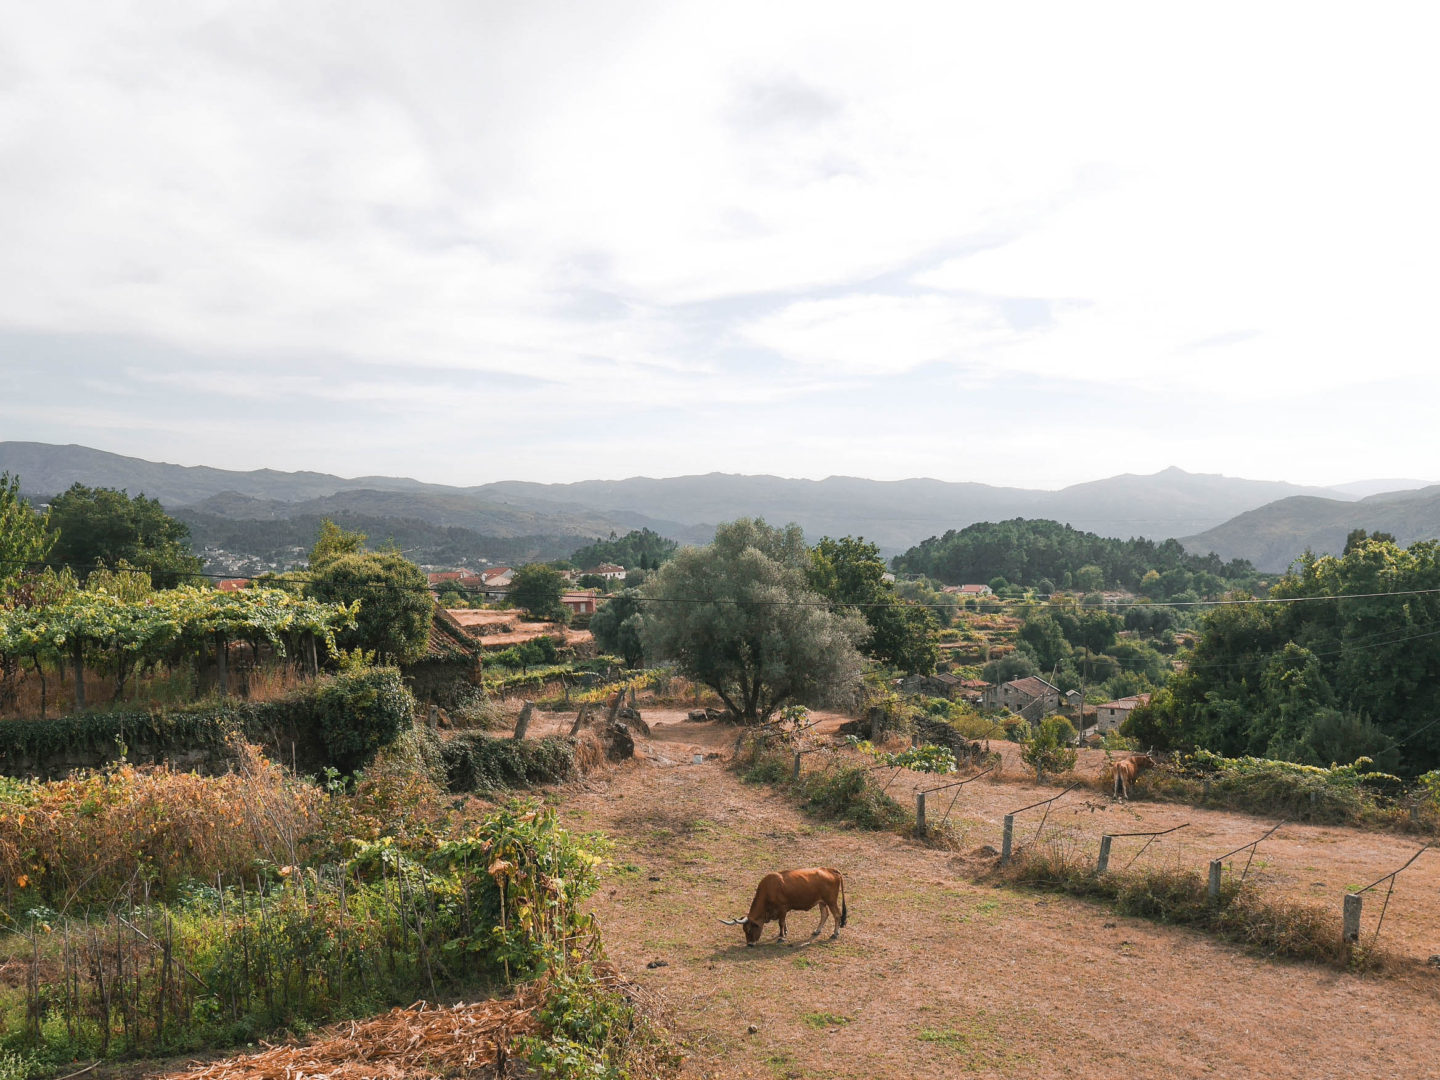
(339, 722)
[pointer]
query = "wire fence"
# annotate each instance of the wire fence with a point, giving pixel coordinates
(1016, 838)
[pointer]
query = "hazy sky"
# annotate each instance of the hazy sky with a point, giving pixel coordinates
(1013, 243)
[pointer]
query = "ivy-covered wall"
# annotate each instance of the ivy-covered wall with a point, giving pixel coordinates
(337, 721)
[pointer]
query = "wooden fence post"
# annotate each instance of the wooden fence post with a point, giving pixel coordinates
(920, 814)
(1006, 838)
(796, 774)
(580, 719)
(1353, 903)
(1103, 863)
(523, 724)
(1213, 890)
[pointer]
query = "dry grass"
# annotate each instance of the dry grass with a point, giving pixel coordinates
(417, 1043)
(270, 681)
(948, 971)
(102, 834)
(1180, 897)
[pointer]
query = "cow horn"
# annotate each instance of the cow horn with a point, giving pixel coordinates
(732, 922)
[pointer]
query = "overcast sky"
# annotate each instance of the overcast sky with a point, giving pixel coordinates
(1011, 243)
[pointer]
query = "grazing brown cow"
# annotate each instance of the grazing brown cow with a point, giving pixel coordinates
(795, 890)
(1127, 769)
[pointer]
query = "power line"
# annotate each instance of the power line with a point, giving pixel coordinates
(279, 577)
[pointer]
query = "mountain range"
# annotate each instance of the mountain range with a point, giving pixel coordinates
(1267, 522)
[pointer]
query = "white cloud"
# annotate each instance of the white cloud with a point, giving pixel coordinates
(628, 202)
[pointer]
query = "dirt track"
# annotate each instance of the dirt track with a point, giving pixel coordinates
(939, 973)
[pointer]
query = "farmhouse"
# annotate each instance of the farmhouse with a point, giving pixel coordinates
(450, 664)
(967, 590)
(607, 570)
(579, 601)
(1112, 714)
(1032, 697)
(941, 685)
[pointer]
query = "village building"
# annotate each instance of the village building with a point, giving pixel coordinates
(607, 570)
(1031, 697)
(1109, 716)
(450, 666)
(579, 601)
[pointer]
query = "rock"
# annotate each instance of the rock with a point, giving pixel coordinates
(753, 1028)
(657, 964)
(631, 716)
(1434, 961)
(620, 744)
(1109, 926)
(987, 851)
(697, 716)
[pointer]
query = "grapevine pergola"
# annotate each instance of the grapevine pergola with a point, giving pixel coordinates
(165, 626)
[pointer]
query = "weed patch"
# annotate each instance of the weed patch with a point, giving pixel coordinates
(1285, 929)
(827, 1020)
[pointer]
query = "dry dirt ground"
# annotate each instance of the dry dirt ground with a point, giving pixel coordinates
(941, 972)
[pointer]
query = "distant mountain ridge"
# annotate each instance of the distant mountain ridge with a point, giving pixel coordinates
(895, 514)
(1276, 534)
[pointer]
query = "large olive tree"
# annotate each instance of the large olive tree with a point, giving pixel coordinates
(736, 615)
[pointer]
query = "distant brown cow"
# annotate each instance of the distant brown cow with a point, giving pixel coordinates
(1127, 769)
(795, 890)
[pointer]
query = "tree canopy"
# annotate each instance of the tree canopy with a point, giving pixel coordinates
(103, 527)
(617, 627)
(536, 589)
(1024, 552)
(639, 549)
(395, 603)
(737, 616)
(1348, 666)
(851, 572)
(25, 536)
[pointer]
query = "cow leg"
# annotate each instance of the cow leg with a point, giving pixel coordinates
(782, 929)
(835, 915)
(824, 911)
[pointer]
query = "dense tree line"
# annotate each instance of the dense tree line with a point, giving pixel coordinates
(1047, 555)
(1077, 647)
(102, 527)
(639, 549)
(1347, 665)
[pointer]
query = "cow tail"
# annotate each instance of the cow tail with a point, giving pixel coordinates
(844, 911)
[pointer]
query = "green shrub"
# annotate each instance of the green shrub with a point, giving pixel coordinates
(477, 762)
(357, 712)
(303, 945)
(1050, 748)
(774, 768)
(850, 793)
(1336, 794)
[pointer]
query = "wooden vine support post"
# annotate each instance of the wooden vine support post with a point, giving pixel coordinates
(522, 725)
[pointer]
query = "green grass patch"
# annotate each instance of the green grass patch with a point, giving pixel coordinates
(827, 1019)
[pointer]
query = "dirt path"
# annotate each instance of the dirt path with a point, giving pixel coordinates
(939, 974)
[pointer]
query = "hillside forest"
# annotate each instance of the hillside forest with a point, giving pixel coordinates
(1047, 556)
